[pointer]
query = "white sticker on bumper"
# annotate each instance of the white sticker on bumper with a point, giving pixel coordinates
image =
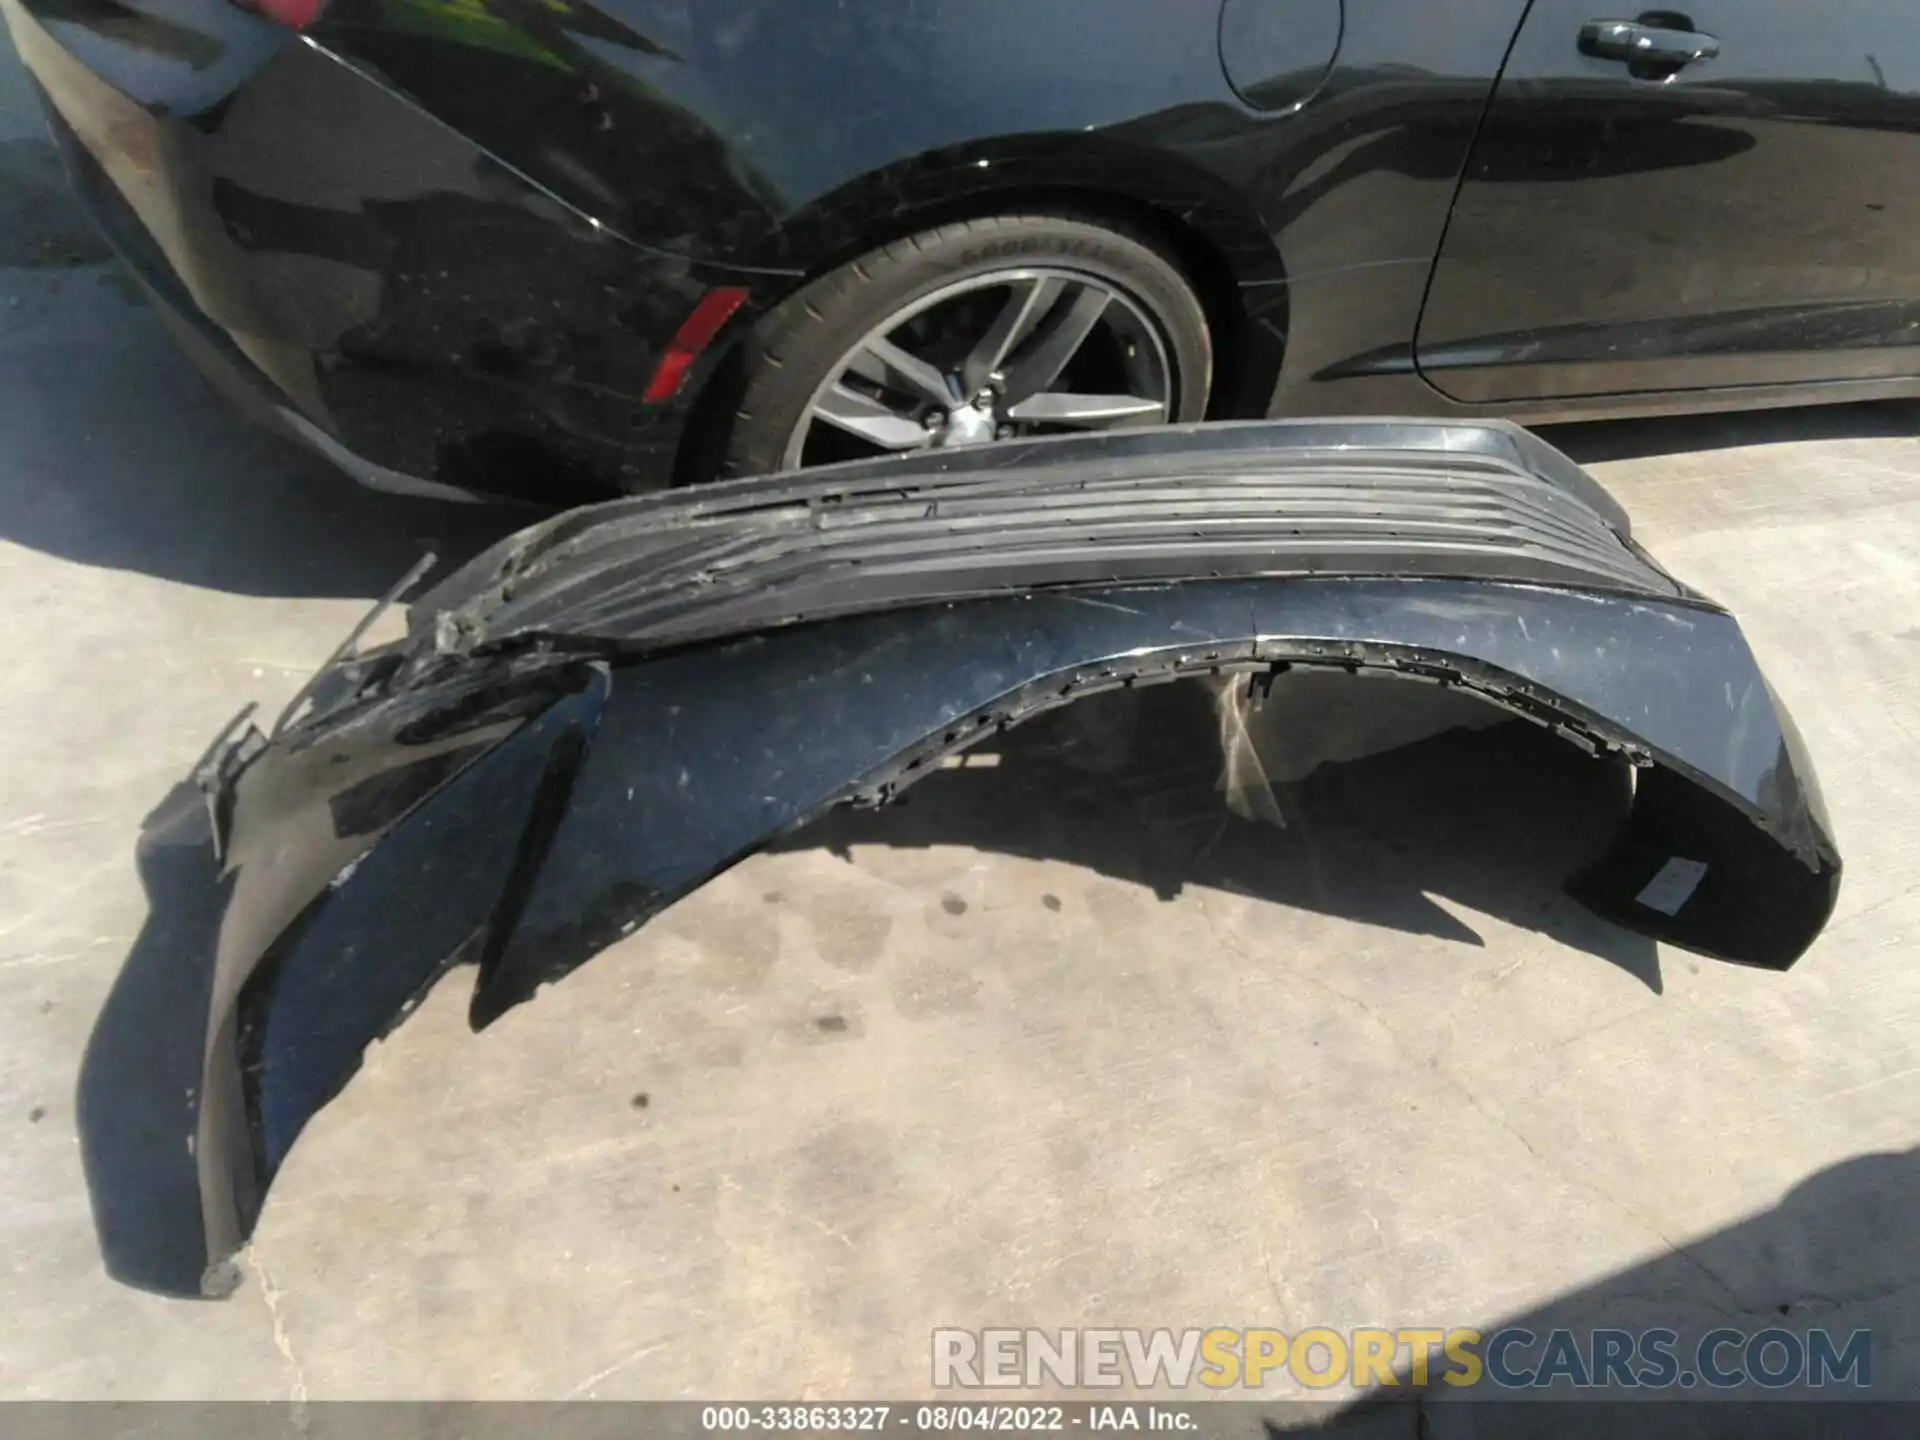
(1673, 886)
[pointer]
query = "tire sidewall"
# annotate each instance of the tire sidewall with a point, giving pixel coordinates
(800, 342)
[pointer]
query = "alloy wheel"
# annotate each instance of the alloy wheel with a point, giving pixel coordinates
(1028, 351)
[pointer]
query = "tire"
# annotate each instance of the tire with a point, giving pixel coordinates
(794, 351)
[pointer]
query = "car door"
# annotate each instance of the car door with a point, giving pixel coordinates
(1668, 201)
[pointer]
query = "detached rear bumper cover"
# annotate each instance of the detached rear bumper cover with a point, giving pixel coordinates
(607, 709)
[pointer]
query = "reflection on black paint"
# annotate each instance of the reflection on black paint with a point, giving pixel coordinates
(1516, 153)
(544, 395)
(1277, 52)
(136, 28)
(371, 805)
(1727, 227)
(1857, 325)
(454, 236)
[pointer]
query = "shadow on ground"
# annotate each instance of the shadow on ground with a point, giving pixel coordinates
(1125, 784)
(1839, 1253)
(140, 1075)
(115, 453)
(43, 225)
(1594, 442)
(118, 454)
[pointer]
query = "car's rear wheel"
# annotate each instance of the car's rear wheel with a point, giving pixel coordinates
(981, 330)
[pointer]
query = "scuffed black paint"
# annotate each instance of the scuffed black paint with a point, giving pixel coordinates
(602, 712)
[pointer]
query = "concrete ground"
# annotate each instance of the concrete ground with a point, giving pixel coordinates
(1051, 1045)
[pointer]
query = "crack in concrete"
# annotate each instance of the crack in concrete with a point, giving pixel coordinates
(1815, 1300)
(586, 1385)
(272, 1294)
(727, 1182)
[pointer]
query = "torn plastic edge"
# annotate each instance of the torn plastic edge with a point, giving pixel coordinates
(349, 648)
(1244, 782)
(1261, 662)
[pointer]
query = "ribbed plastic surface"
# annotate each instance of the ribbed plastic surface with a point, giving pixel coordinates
(677, 568)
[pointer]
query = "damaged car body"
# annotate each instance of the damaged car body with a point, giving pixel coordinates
(591, 719)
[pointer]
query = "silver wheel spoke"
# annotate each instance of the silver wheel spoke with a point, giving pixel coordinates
(885, 363)
(869, 419)
(1058, 340)
(1025, 307)
(1090, 412)
(1012, 351)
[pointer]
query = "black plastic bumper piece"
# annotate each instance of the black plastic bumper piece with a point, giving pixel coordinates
(592, 719)
(1405, 498)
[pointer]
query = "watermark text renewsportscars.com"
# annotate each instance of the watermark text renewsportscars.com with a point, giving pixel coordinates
(1321, 1357)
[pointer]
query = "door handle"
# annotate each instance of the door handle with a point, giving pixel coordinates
(1650, 45)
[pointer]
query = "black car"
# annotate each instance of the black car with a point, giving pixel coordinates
(556, 249)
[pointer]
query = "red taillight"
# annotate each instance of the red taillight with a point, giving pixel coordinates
(716, 307)
(295, 14)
